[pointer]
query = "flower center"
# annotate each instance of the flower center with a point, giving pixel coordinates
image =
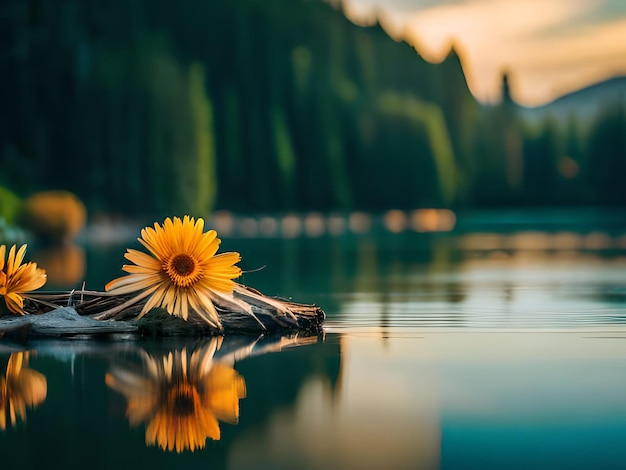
(183, 270)
(182, 400)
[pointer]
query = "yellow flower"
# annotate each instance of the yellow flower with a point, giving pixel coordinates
(19, 388)
(181, 397)
(183, 272)
(18, 278)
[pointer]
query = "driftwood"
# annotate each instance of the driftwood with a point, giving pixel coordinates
(100, 313)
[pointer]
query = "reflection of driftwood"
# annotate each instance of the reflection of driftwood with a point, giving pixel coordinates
(233, 348)
(94, 313)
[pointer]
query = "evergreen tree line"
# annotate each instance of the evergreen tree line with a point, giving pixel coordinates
(153, 107)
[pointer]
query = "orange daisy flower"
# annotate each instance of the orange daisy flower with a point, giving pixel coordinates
(182, 271)
(18, 278)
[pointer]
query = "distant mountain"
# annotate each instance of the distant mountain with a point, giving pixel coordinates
(584, 103)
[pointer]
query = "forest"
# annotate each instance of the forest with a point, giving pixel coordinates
(157, 107)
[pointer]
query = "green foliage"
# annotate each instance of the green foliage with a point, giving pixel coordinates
(427, 119)
(204, 187)
(284, 153)
(607, 151)
(301, 58)
(542, 151)
(151, 107)
(10, 205)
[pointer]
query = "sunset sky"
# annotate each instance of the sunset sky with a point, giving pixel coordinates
(550, 47)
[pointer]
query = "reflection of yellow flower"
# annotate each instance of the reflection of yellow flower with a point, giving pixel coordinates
(183, 271)
(19, 388)
(18, 278)
(181, 397)
(65, 265)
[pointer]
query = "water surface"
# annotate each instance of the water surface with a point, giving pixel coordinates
(472, 349)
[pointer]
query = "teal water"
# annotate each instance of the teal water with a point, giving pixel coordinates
(479, 349)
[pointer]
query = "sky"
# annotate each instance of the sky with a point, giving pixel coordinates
(549, 47)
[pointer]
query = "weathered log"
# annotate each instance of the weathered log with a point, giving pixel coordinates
(62, 321)
(89, 313)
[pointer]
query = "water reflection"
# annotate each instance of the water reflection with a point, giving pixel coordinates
(181, 396)
(448, 350)
(20, 387)
(183, 391)
(440, 399)
(160, 403)
(523, 279)
(64, 265)
(317, 224)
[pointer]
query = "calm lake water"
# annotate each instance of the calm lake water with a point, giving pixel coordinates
(499, 345)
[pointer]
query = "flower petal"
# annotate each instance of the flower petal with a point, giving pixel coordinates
(142, 259)
(15, 303)
(3, 249)
(10, 261)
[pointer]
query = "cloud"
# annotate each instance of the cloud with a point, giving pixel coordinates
(550, 46)
(571, 61)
